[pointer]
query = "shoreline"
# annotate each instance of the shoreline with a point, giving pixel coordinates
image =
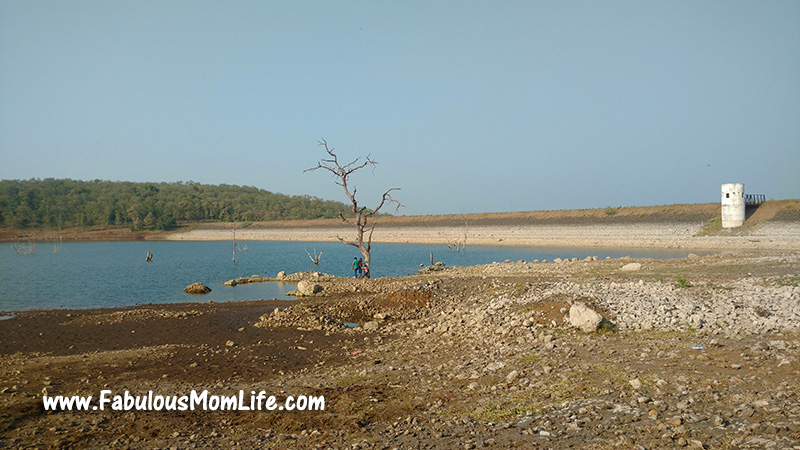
(773, 225)
(681, 235)
(467, 357)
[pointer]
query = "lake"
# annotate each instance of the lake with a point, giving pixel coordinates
(109, 274)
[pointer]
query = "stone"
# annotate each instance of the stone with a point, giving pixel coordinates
(512, 376)
(307, 288)
(631, 267)
(584, 318)
(281, 275)
(371, 325)
(197, 288)
(230, 283)
(674, 421)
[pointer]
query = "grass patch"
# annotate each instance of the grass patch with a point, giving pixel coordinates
(499, 411)
(682, 282)
(530, 359)
(518, 290)
(789, 280)
(711, 228)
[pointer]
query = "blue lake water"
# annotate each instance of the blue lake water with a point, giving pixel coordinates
(109, 274)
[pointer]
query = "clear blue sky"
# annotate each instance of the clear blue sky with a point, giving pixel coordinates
(468, 106)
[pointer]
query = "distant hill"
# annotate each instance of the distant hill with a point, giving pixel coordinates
(64, 203)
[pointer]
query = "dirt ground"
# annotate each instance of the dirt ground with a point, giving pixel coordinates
(419, 372)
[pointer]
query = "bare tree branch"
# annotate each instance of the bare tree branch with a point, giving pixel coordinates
(361, 214)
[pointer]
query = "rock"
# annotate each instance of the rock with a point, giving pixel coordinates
(674, 421)
(230, 283)
(197, 288)
(281, 275)
(512, 376)
(695, 443)
(371, 325)
(584, 318)
(635, 383)
(307, 288)
(631, 267)
(229, 344)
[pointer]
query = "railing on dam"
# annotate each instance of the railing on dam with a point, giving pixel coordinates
(754, 199)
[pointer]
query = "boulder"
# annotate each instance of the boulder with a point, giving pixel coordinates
(308, 288)
(371, 325)
(631, 267)
(230, 283)
(584, 318)
(281, 275)
(197, 288)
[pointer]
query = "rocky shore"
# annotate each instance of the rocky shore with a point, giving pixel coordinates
(700, 352)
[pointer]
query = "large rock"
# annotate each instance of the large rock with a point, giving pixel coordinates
(631, 267)
(371, 325)
(584, 318)
(308, 288)
(197, 288)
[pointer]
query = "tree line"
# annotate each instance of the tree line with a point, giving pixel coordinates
(64, 203)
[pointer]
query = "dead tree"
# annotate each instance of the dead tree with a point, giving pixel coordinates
(460, 244)
(361, 215)
(234, 239)
(315, 259)
(24, 248)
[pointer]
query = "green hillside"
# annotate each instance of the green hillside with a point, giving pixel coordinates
(64, 203)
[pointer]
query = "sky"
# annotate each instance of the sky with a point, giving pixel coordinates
(467, 106)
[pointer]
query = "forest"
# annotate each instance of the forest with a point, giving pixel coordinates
(65, 203)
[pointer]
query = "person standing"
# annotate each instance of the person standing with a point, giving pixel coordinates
(356, 266)
(360, 268)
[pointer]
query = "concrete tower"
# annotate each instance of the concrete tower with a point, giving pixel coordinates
(732, 205)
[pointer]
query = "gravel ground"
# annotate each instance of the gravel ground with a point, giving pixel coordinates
(701, 352)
